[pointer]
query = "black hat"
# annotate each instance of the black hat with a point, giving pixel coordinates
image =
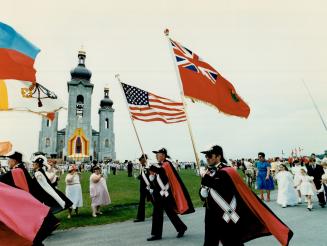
(143, 156)
(39, 161)
(16, 156)
(217, 150)
(162, 151)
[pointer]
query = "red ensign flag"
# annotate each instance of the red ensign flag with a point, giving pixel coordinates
(202, 82)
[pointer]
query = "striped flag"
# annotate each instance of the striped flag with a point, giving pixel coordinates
(30, 97)
(17, 55)
(146, 106)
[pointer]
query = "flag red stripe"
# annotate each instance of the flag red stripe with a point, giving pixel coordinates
(154, 106)
(158, 119)
(166, 103)
(163, 117)
(15, 65)
(159, 113)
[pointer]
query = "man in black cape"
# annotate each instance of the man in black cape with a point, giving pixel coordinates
(12, 177)
(182, 198)
(234, 214)
(163, 201)
(145, 187)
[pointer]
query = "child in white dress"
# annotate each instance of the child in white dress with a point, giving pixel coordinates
(286, 193)
(307, 187)
(296, 170)
(323, 185)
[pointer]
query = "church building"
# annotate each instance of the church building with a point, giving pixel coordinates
(78, 141)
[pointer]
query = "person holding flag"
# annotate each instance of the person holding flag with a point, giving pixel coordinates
(163, 201)
(145, 188)
(234, 214)
(179, 197)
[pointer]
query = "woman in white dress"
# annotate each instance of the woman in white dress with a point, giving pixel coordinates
(286, 193)
(74, 190)
(296, 170)
(52, 172)
(98, 191)
(307, 187)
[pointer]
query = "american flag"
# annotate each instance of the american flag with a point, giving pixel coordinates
(148, 107)
(189, 60)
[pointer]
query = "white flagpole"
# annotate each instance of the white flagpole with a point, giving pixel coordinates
(315, 105)
(184, 102)
(130, 115)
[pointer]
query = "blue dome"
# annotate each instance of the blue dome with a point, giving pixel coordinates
(81, 72)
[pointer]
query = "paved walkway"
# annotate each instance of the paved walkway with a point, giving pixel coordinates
(310, 228)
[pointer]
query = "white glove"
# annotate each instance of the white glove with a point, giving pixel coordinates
(151, 191)
(204, 192)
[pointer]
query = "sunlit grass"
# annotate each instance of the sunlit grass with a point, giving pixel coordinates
(124, 194)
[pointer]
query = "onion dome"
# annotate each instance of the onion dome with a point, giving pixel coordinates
(81, 72)
(106, 102)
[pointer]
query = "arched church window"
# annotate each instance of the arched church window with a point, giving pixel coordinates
(78, 148)
(106, 125)
(47, 142)
(106, 143)
(79, 105)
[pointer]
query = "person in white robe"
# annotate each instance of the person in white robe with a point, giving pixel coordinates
(296, 170)
(286, 195)
(307, 187)
(52, 172)
(42, 180)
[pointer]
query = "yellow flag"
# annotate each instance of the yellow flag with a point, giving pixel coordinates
(5, 147)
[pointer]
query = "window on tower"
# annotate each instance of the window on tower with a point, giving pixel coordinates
(106, 125)
(106, 143)
(48, 123)
(79, 105)
(47, 142)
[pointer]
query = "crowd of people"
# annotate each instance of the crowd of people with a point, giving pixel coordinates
(229, 203)
(298, 179)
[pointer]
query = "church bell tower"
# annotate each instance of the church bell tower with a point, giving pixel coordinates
(78, 135)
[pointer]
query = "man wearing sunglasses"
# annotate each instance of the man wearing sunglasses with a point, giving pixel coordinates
(234, 214)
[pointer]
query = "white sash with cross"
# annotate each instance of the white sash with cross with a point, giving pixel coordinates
(146, 181)
(164, 188)
(229, 209)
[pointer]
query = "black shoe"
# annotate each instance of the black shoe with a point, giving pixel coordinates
(153, 238)
(322, 205)
(138, 220)
(181, 233)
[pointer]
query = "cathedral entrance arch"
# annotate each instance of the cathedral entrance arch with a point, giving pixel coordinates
(78, 145)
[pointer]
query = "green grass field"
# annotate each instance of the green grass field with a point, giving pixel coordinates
(124, 194)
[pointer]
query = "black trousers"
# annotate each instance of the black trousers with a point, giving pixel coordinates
(141, 208)
(216, 231)
(49, 224)
(321, 197)
(157, 217)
